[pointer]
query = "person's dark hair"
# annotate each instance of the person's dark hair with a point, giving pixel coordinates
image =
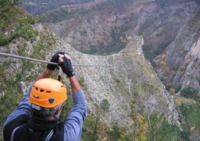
(45, 113)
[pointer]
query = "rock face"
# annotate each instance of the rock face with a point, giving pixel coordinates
(182, 56)
(83, 34)
(120, 78)
(119, 81)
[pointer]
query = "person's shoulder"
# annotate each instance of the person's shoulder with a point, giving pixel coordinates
(60, 126)
(17, 121)
(11, 125)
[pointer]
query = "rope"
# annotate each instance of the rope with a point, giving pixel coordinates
(42, 61)
(27, 58)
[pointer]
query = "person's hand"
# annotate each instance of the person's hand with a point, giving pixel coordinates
(66, 65)
(55, 60)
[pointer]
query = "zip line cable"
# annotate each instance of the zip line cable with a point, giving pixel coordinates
(42, 61)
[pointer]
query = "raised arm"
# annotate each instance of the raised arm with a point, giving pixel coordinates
(46, 74)
(24, 107)
(66, 65)
(74, 122)
(75, 86)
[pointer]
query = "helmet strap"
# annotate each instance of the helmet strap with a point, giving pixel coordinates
(35, 107)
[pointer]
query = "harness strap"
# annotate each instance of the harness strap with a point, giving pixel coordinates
(13, 133)
(49, 135)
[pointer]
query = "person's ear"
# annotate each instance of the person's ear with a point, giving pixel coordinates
(58, 110)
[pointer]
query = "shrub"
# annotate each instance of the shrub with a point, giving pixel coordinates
(191, 114)
(114, 133)
(89, 129)
(14, 26)
(172, 91)
(164, 56)
(105, 105)
(140, 91)
(178, 88)
(190, 92)
(161, 130)
(25, 30)
(5, 39)
(9, 2)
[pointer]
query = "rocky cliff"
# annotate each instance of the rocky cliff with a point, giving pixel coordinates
(124, 77)
(125, 74)
(182, 56)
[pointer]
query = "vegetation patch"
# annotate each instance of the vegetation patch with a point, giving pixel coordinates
(140, 91)
(12, 73)
(11, 93)
(24, 29)
(14, 25)
(189, 106)
(60, 15)
(144, 128)
(191, 114)
(190, 92)
(154, 127)
(105, 105)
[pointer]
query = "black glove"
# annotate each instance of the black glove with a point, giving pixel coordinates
(55, 60)
(66, 66)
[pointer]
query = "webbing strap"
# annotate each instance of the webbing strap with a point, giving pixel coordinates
(49, 135)
(13, 133)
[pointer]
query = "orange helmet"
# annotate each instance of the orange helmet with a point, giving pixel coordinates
(48, 93)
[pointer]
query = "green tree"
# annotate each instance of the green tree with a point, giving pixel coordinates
(105, 105)
(190, 92)
(89, 128)
(114, 133)
(10, 2)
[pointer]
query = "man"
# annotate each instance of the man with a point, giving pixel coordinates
(37, 116)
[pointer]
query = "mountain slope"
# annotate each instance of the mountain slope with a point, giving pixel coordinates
(128, 82)
(168, 27)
